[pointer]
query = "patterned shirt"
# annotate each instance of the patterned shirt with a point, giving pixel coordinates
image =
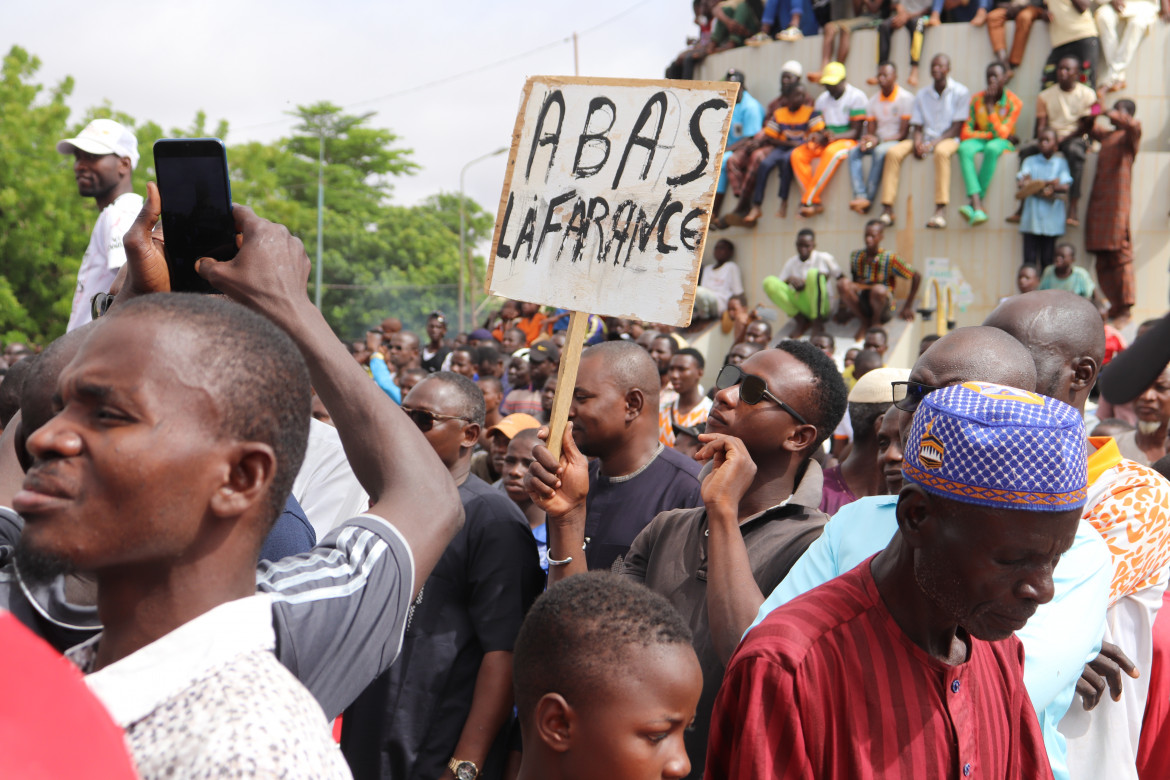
(210, 699)
(668, 417)
(882, 269)
(1129, 505)
(790, 127)
(830, 686)
(1000, 123)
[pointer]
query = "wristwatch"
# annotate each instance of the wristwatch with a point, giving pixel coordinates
(463, 770)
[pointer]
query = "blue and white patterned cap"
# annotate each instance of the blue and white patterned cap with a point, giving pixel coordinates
(987, 444)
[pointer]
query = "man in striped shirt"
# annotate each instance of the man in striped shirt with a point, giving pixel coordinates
(868, 293)
(995, 482)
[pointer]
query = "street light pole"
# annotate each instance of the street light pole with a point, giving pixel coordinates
(320, 208)
(462, 234)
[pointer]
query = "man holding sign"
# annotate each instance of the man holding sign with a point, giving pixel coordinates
(605, 210)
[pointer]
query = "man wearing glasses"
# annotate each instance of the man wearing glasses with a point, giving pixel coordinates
(444, 704)
(760, 489)
(1065, 633)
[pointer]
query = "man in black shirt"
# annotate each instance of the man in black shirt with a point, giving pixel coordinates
(446, 701)
(614, 418)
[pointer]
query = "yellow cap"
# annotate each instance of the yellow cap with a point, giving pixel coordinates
(834, 73)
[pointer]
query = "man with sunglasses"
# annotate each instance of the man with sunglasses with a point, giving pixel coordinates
(1080, 583)
(443, 707)
(761, 490)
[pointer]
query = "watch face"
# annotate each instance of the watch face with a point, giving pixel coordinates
(465, 771)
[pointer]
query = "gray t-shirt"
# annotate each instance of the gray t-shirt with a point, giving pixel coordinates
(339, 611)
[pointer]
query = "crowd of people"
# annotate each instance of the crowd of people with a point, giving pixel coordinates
(806, 137)
(268, 552)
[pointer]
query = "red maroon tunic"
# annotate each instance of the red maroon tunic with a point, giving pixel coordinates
(828, 686)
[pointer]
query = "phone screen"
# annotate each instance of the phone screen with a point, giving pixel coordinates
(196, 207)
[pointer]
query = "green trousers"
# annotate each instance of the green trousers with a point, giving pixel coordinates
(811, 302)
(978, 183)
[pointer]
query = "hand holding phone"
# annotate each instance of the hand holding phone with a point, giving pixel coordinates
(196, 207)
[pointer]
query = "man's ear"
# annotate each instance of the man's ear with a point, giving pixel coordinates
(914, 519)
(800, 439)
(252, 467)
(470, 435)
(554, 720)
(1085, 371)
(635, 403)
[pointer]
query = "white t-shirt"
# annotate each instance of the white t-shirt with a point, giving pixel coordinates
(888, 113)
(821, 261)
(724, 281)
(840, 112)
(104, 255)
(326, 487)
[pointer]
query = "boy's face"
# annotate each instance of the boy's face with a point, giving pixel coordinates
(1063, 259)
(723, 251)
(633, 727)
(1047, 144)
(1027, 280)
(805, 244)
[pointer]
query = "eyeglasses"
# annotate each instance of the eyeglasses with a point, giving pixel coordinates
(425, 420)
(907, 395)
(752, 389)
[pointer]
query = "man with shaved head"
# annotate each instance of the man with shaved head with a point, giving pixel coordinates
(860, 529)
(1129, 505)
(614, 418)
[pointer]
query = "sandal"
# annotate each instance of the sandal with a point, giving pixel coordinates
(886, 219)
(978, 217)
(966, 212)
(938, 222)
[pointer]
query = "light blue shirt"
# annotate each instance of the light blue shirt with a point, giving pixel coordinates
(1044, 217)
(381, 373)
(935, 113)
(1063, 635)
(747, 118)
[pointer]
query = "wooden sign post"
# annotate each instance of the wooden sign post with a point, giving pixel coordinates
(606, 203)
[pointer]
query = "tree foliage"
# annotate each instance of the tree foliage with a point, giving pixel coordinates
(379, 259)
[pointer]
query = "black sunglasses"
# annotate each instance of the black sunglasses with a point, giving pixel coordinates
(752, 389)
(907, 395)
(426, 420)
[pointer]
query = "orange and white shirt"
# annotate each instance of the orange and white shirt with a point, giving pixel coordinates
(1129, 505)
(668, 417)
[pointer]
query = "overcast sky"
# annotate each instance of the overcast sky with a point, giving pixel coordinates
(249, 61)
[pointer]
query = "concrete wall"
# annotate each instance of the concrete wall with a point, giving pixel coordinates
(989, 254)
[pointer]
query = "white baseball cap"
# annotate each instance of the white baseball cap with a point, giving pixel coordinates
(793, 67)
(103, 136)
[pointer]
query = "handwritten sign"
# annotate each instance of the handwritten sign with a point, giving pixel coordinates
(608, 195)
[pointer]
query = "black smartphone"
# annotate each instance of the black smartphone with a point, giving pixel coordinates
(196, 207)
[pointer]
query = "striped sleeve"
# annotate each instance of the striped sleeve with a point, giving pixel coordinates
(340, 610)
(756, 728)
(899, 268)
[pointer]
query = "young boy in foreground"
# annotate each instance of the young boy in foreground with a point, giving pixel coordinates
(606, 682)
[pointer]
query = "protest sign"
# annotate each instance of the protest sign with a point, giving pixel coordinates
(608, 194)
(606, 203)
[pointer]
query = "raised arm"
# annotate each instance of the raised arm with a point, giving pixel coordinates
(407, 483)
(733, 596)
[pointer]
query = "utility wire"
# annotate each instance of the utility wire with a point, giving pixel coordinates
(465, 73)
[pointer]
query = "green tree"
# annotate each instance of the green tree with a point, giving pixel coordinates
(380, 259)
(44, 225)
